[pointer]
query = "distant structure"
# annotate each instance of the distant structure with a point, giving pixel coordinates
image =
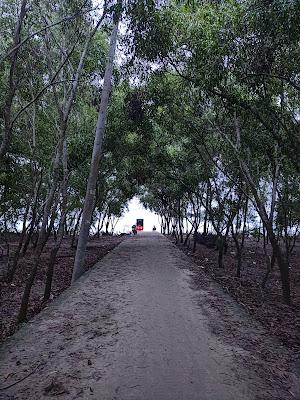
(139, 224)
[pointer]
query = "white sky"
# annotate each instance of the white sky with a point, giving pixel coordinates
(135, 211)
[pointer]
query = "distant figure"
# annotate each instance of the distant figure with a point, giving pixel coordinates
(154, 228)
(134, 231)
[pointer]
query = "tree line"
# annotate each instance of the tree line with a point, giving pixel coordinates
(224, 106)
(200, 106)
(53, 58)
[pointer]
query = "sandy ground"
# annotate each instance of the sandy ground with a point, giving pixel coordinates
(131, 328)
(11, 293)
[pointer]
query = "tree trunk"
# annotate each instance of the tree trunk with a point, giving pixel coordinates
(12, 268)
(180, 231)
(245, 222)
(188, 236)
(238, 252)
(164, 227)
(31, 229)
(259, 232)
(98, 228)
(42, 236)
(107, 225)
(12, 84)
(220, 246)
(42, 239)
(168, 221)
(91, 186)
(60, 236)
(195, 239)
(76, 228)
(64, 113)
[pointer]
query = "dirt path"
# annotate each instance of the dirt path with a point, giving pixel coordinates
(131, 328)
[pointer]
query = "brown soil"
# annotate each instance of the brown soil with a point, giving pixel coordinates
(11, 294)
(265, 305)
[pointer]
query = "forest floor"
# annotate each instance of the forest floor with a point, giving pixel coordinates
(11, 294)
(137, 326)
(265, 305)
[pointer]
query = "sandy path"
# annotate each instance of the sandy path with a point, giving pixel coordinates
(129, 329)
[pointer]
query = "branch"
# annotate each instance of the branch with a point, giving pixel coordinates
(221, 94)
(217, 165)
(68, 18)
(21, 380)
(52, 81)
(81, 64)
(7, 106)
(283, 78)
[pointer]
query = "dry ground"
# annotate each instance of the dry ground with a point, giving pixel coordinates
(11, 294)
(137, 326)
(265, 305)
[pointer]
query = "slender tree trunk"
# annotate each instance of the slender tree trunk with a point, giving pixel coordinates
(245, 222)
(278, 253)
(264, 238)
(31, 226)
(76, 229)
(180, 222)
(168, 226)
(98, 228)
(207, 202)
(107, 225)
(195, 238)
(42, 236)
(60, 236)
(12, 268)
(238, 252)
(188, 236)
(50, 226)
(259, 231)
(97, 150)
(270, 261)
(180, 231)
(56, 165)
(163, 225)
(12, 84)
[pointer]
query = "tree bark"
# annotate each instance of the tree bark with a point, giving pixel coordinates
(76, 229)
(12, 268)
(60, 236)
(278, 253)
(11, 83)
(97, 151)
(239, 250)
(245, 221)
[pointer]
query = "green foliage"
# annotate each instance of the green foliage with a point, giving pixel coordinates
(198, 67)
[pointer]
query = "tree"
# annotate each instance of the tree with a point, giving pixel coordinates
(91, 186)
